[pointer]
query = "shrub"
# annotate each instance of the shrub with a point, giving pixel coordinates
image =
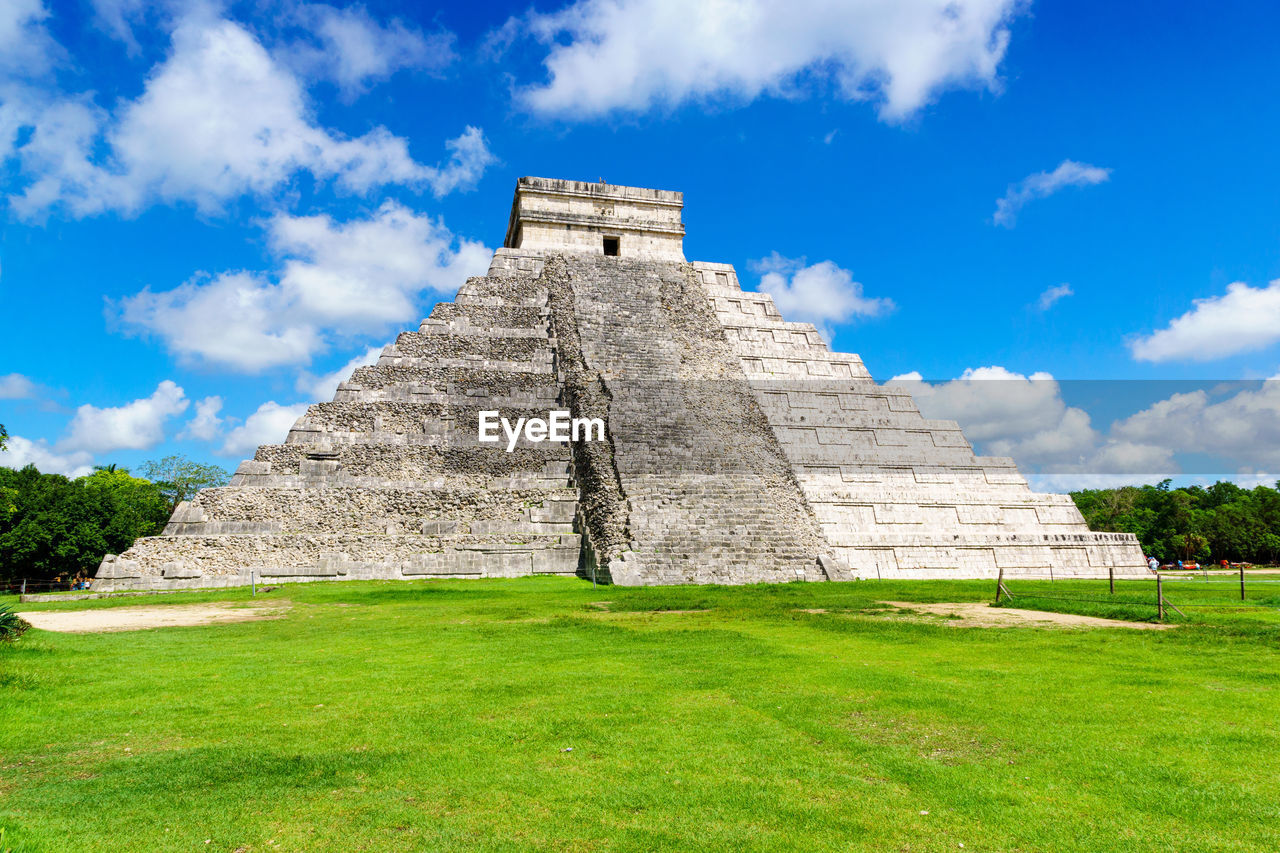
(12, 626)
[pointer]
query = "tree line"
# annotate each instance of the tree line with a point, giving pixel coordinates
(57, 528)
(1220, 522)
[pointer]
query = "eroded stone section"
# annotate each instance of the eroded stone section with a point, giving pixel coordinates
(603, 519)
(709, 495)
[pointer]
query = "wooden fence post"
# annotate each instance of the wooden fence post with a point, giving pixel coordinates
(1111, 577)
(999, 585)
(1242, 581)
(1159, 598)
(24, 586)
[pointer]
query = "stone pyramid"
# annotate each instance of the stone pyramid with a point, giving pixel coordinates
(738, 448)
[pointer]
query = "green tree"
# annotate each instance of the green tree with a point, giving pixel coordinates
(1221, 522)
(59, 526)
(4, 437)
(179, 478)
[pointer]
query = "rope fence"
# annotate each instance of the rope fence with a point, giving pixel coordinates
(1235, 593)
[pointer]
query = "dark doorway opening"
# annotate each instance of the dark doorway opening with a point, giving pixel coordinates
(611, 246)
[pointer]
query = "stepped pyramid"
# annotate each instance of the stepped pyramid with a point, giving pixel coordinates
(738, 447)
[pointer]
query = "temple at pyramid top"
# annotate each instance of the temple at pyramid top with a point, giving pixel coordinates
(596, 219)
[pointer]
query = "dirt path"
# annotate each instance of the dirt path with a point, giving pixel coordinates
(138, 618)
(975, 614)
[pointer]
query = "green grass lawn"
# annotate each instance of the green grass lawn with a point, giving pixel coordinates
(514, 715)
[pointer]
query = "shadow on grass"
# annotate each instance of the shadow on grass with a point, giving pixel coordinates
(212, 787)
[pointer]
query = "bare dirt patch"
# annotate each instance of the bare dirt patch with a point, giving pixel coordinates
(975, 614)
(139, 618)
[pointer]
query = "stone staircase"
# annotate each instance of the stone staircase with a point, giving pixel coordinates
(709, 495)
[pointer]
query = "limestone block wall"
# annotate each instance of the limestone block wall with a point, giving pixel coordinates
(896, 494)
(573, 217)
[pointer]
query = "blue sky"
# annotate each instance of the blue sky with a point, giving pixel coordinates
(208, 208)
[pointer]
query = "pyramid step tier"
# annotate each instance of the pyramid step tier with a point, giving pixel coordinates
(176, 562)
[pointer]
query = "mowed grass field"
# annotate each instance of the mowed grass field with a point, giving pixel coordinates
(526, 715)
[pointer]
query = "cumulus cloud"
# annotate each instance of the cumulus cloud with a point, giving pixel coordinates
(1240, 422)
(268, 425)
(823, 293)
(999, 406)
(15, 386)
(354, 50)
(335, 279)
(235, 319)
(57, 157)
(635, 55)
(1069, 173)
(1051, 296)
(26, 49)
(1242, 319)
(206, 424)
(322, 388)
(1026, 418)
(21, 452)
(138, 425)
(218, 118)
(1227, 429)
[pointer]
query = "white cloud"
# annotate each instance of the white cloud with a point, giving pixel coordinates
(1052, 294)
(1229, 430)
(1244, 318)
(15, 386)
(57, 158)
(821, 293)
(237, 319)
(22, 452)
(26, 49)
(268, 425)
(218, 118)
(355, 50)
(116, 17)
(1069, 173)
(469, 156)
(635, 55)
(206, 424)
(993, 404)
(336, 279)
(1025, 417)
(322, 388)
(134, 426)
(1243, 426)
